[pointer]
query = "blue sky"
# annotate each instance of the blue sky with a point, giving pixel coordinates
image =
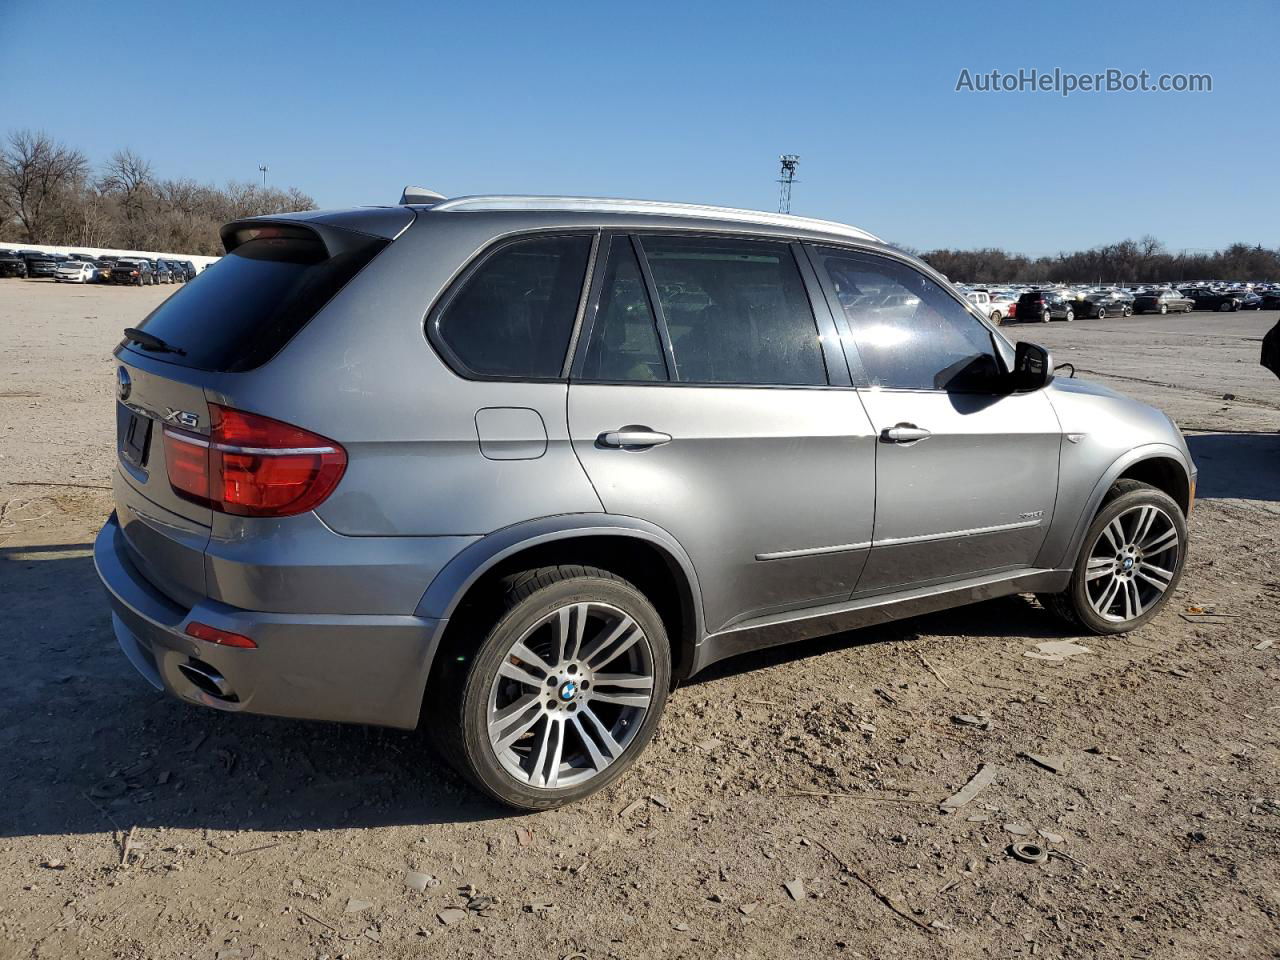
(688, 101)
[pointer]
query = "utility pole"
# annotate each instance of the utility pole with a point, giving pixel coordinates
(789, 163)
(264, 168)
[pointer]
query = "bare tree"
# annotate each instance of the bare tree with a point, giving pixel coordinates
(127, 177)
(34, 168)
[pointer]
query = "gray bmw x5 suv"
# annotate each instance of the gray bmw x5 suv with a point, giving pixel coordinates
(509, 468)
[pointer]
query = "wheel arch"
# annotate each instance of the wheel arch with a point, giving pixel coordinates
(1161, 465)
(635, 549)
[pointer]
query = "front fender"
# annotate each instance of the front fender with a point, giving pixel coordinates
(1060, 550)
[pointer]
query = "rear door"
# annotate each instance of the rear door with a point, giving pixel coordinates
(704, 400)
(966, 478)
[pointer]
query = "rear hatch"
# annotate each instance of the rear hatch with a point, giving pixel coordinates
(230, 319)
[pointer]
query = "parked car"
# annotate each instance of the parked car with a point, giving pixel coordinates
(182, 270)
(286, 541)
(1162, 301)
(12, 265)
(42, 264)
(133, 271)
(1103, 304)
(102, 270)
(1206, 299)
(995, 307)
(1271, 300)
(75, 271)
(1250, 301)
(1043, 305)
(161, 272)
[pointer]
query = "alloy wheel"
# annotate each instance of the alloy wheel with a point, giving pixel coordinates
(570, 695)
(1132, 563)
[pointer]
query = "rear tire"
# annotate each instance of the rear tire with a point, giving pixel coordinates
(1129, 563)
(1071, 315)
(545, 649)
(1164, 308)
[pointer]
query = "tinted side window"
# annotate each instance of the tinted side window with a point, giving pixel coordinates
(736, 311)
(910, 333)
(514, 315)
(624, 339)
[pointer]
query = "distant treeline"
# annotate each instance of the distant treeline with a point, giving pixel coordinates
(51, 194)
(1129, 261)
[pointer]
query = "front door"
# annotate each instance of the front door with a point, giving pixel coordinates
(966, 477)
(701, 402)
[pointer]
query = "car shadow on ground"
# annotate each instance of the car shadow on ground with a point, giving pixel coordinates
(1015, 616)
(91, 747)
(1237, 466)
(88, 746)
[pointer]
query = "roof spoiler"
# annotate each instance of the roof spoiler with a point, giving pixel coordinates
(420, 195)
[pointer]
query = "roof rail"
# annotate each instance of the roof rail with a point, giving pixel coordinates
(650, 208)
(420, 195)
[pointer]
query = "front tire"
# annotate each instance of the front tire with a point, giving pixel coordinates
(563, 692)
(1046, 316)
(1129, 564)
(1102, 313)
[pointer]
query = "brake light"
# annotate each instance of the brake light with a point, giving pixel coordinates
(253, 466)
(225, 638)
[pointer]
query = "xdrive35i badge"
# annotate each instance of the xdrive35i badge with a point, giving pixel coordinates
(124, 383)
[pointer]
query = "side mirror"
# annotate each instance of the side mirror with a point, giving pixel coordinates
(1032, 367)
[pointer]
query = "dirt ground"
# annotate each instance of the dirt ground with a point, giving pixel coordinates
(789, 806)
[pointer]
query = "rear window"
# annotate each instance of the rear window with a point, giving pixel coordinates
(239, 312)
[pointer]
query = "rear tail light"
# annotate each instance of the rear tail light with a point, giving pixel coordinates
(253, 466)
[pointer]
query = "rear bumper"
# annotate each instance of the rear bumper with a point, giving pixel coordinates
(349, 669)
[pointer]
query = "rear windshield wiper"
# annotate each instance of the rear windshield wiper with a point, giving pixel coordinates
(151, 342)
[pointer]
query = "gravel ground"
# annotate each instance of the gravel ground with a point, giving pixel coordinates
(788, 807)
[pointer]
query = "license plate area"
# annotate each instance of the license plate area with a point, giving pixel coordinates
(135, 440)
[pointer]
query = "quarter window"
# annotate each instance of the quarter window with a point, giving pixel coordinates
(736, 311)
(515, 313)
(624, 339)
(910, 333)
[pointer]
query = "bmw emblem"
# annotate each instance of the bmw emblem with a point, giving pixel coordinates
(124, 383)
(568, 690)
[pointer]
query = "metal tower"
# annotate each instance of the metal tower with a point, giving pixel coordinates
(789, 163)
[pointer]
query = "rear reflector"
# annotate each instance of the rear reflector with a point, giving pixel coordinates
(253, 466)
(202, 631)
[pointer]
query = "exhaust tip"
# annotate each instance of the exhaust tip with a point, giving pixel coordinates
(207, 679)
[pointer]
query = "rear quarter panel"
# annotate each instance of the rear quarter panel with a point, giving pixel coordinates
(362, 373)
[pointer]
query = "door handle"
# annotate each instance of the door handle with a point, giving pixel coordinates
(904, 433)
(633, 437)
